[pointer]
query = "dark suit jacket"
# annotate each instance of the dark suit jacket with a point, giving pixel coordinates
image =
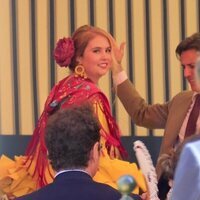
(169, 115)
(74, 186)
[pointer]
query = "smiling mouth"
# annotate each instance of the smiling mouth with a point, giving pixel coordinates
(103, 65)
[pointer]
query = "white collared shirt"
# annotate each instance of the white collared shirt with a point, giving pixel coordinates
(70, 170)
(184, 125)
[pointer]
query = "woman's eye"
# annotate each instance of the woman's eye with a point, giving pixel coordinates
(96, 51)
(108, 50)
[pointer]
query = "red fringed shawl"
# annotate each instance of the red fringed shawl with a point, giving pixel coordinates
(69, 91)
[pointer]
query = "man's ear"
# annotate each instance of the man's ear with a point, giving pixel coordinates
(95, 153)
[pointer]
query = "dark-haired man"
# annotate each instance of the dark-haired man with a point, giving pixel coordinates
(73, 142)
(178, 116)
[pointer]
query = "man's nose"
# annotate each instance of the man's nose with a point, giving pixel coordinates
(187, 71)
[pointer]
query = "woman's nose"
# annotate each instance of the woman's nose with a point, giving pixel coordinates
(105, 54)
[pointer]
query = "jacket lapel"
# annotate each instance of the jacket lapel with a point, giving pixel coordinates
(178, 110)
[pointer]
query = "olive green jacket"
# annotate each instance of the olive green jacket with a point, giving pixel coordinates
(168, 116)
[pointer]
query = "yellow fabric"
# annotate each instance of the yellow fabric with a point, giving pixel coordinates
(111, 169)
(16, 179)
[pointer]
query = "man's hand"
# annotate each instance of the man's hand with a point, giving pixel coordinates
(118, 53)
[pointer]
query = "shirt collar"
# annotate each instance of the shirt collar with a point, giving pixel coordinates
(70, 170)
(194, 95)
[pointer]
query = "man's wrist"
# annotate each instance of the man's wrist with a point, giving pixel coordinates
(119, 77)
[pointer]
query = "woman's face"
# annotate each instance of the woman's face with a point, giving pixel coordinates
(96, 58)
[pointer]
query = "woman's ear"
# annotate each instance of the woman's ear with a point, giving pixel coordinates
(79, 60)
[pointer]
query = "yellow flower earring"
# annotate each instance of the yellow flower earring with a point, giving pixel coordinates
(80, 71)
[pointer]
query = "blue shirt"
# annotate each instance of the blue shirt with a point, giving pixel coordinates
(187, 176)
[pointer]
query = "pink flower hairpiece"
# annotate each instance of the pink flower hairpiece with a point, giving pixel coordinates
(64, 51)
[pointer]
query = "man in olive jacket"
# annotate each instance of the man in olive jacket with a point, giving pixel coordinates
(171, 116)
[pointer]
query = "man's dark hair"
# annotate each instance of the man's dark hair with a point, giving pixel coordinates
(70, 135)
(192, 42)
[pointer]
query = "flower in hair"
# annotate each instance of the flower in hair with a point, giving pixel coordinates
(64, 51)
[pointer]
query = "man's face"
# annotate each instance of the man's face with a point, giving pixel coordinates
(188, 59)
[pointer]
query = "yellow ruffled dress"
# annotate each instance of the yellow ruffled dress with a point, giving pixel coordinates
(16, 178)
